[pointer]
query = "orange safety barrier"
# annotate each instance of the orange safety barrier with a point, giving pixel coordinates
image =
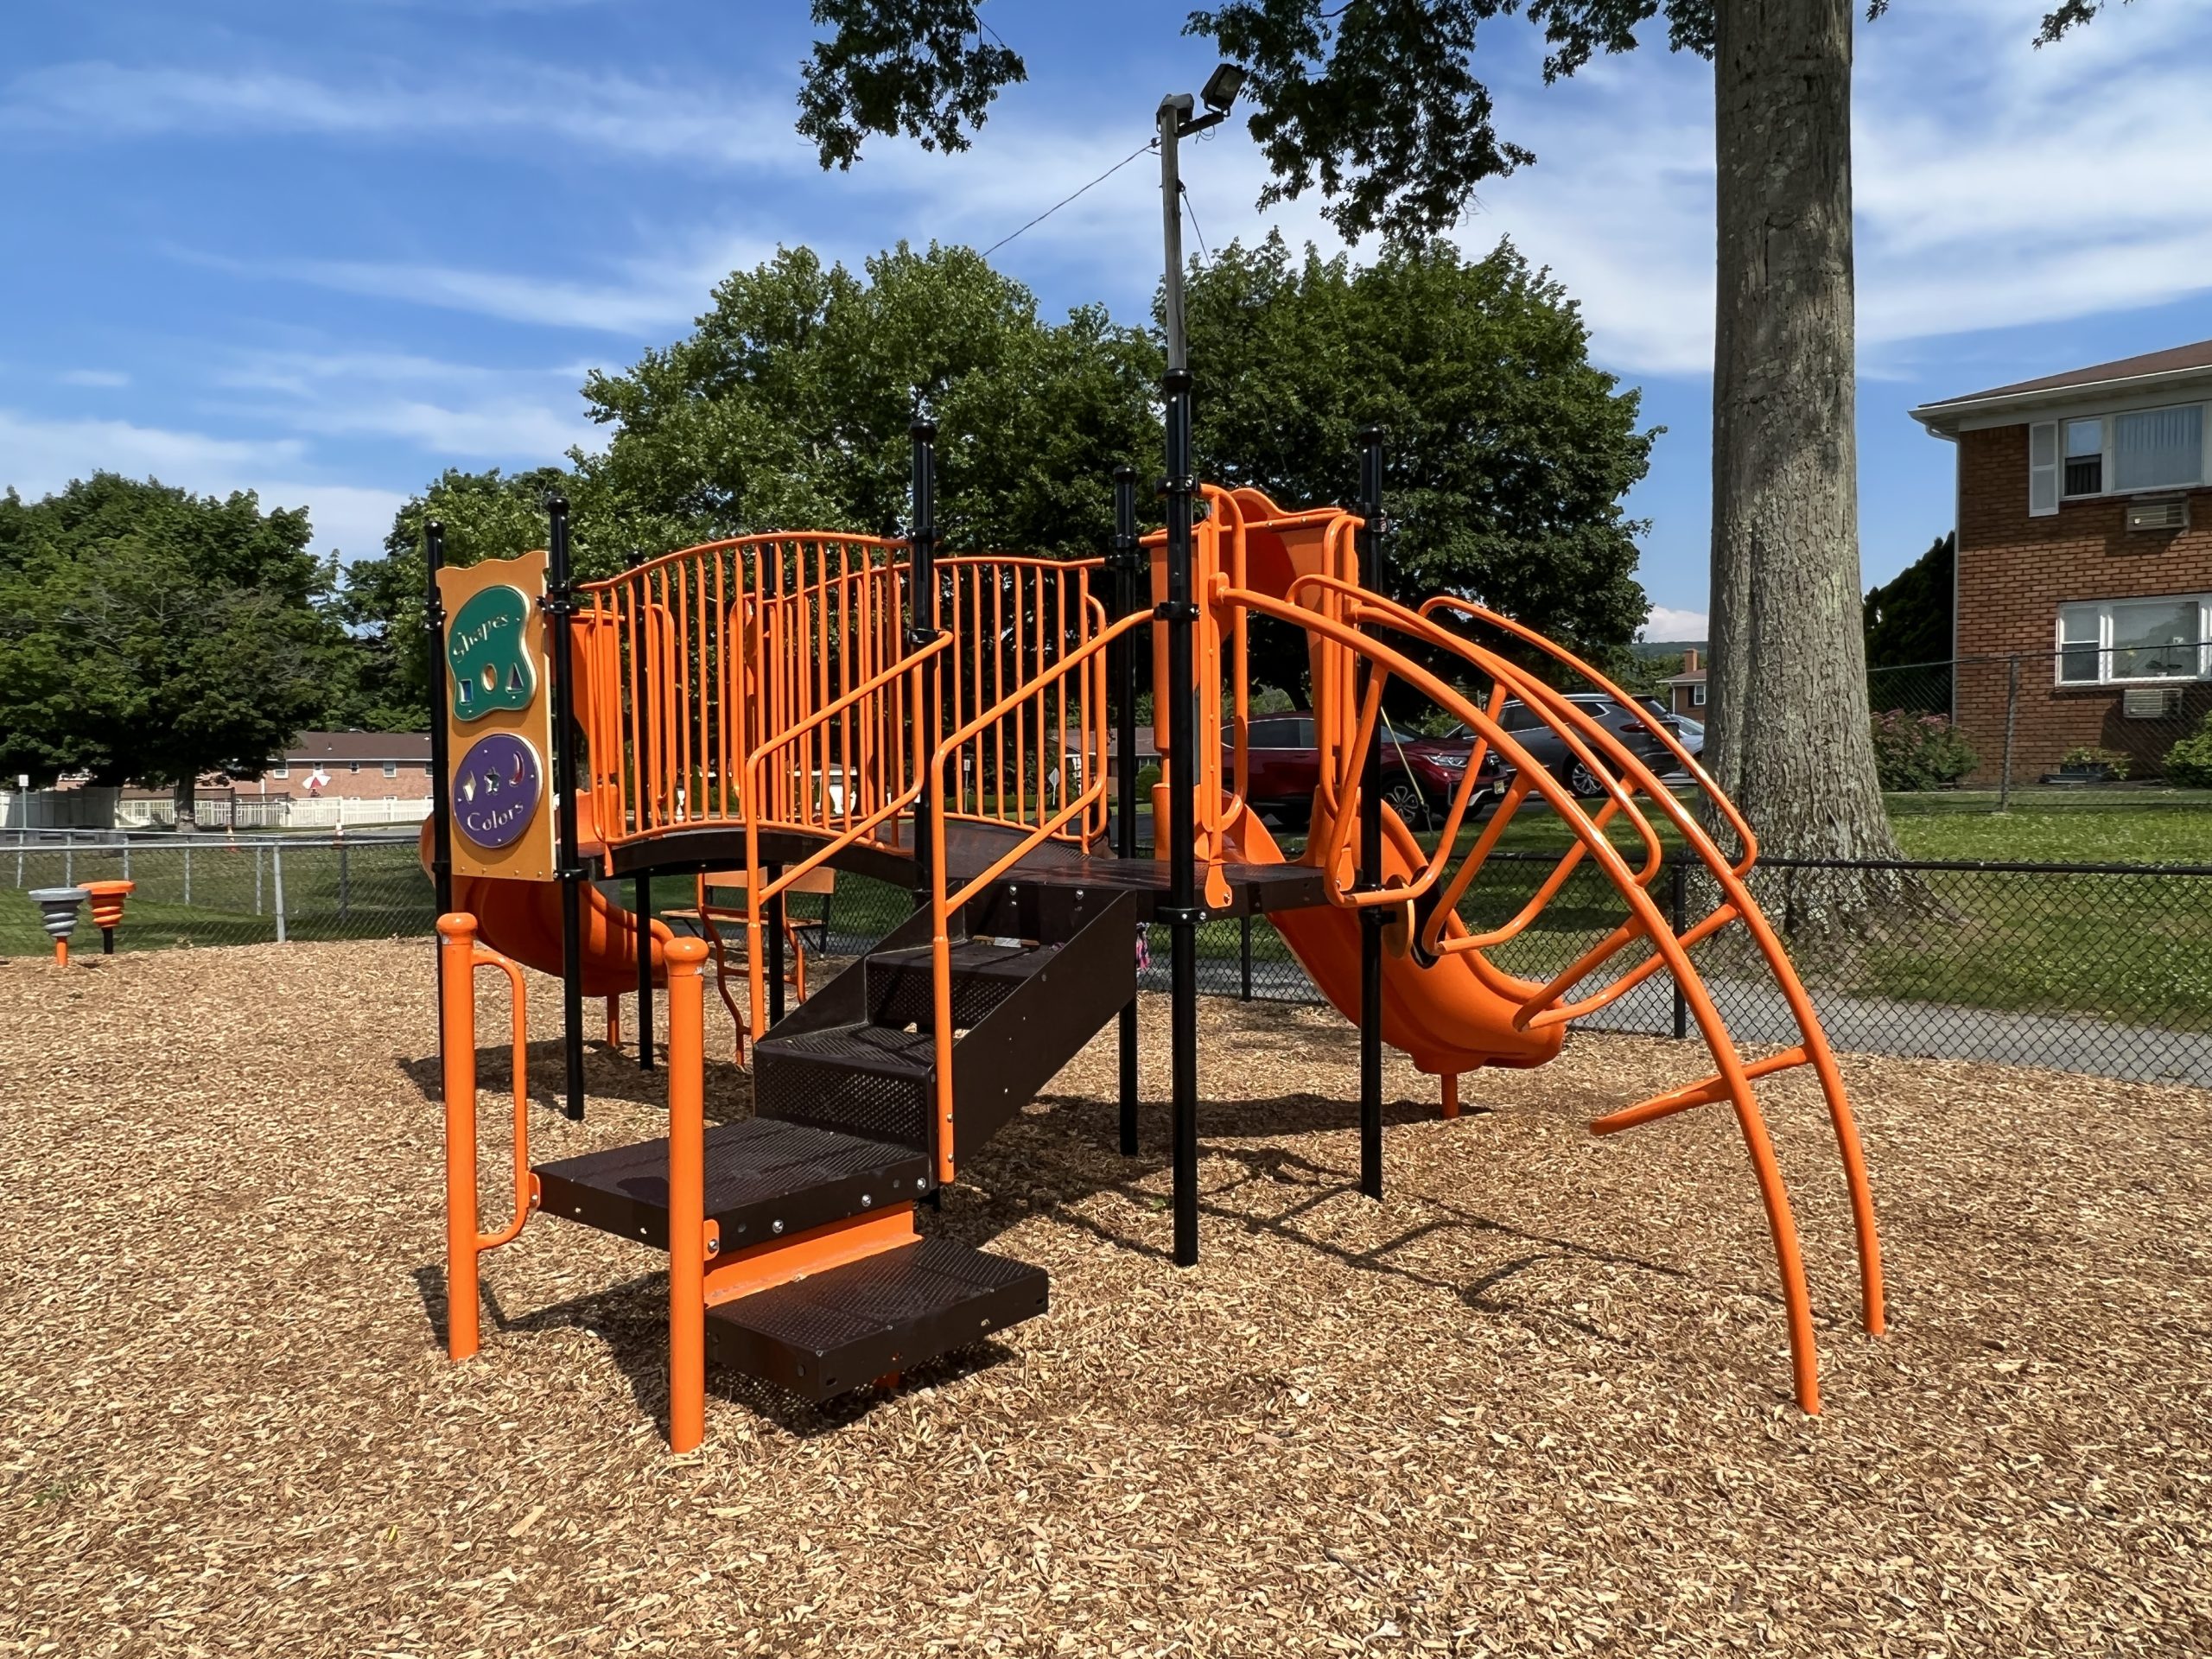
(459, 958)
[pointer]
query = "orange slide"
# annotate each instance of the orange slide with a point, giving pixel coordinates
(521, 920)
(1440, 1014)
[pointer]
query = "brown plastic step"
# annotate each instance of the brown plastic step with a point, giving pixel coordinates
(828, 1333)
(764, 1180)
(901, 987)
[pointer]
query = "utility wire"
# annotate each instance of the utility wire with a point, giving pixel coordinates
(1150, 144)
(1191, 208)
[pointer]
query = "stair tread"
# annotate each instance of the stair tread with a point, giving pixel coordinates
(874, 1048)
(971, 956)
(834, 1330)
(757, 1171)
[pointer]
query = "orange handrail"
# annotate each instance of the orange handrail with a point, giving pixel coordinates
(944, 901)
(459, 958)
(691, 1237)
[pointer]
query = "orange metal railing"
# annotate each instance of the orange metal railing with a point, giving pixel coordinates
(459, 958)
(1086, 666)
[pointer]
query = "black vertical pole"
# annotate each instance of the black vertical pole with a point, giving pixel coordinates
(775, 917)
(560, 605)
(1180, 615)
(433, 664)
(434, 640)
(1370, 845)
(1128, 566)
(921, 626)
(641, 906)
(1244, 955)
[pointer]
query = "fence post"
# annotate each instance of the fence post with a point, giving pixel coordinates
(187, 876)
(1244, 953)
(256, 881)
(345, 884)
(276, 879)
(1678, 893)
(2012, 714)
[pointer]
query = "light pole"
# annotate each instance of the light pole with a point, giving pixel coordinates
(1180, 613)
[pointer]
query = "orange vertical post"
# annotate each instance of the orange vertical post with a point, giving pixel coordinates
(687, 1195)
(457, 1024)
(1450, 1093)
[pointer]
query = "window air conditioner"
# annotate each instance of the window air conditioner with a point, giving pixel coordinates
(2171, 512)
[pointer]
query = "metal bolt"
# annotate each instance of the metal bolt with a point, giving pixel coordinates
(921, 1183)
(866, 1203)
(713, 1247)
(775, 1226)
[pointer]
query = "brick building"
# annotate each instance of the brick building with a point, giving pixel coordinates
(356, 766)
(1686, 690)
(2085, 551)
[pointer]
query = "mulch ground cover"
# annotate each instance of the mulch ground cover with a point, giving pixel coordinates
(1534, 1402)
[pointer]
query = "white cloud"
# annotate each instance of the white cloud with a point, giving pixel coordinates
(1666, 625)
(98, 379)
(526, 417)
(41, 456)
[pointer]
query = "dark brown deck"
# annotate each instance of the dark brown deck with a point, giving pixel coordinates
(971, 848)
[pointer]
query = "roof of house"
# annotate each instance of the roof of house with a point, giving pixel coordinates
(348, 747)
(1688, 676)
(2143, 371)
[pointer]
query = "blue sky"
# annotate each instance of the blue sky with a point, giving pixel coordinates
(325, 250)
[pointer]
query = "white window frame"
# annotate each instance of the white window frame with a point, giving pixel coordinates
(2047, 478)
(280, 771)
(2106, 648)
(391, 768)
(1697, 695)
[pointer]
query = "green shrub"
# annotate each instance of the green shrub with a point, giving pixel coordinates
(1917, 751)
(1147, 775)
(2082, 756)
(2189, 763)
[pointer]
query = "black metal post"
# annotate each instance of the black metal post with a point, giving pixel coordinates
(1678, 903)
(434, 662)
(921, 626)
(1244, 955)
(1370, 845)
(559, 606)
(1122, 671)
(345, 884)
(641, 906)
(775, 923)
(1180, 613)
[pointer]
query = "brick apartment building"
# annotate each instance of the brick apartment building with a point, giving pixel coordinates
(2085, 544)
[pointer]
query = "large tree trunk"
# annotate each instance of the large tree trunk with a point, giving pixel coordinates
(1789, 737)
(184, 797)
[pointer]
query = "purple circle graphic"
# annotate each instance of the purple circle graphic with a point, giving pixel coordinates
(496, 790)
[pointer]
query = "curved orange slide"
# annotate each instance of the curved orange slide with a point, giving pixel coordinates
(521, 920)
(1440, 1014)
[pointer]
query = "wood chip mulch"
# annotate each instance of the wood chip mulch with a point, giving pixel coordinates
(1535, 1402)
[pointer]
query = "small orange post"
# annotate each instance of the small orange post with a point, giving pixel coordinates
(614, 1023)
(1451, 1081)
(107, 898)
(457, 1024)
(688, 1245)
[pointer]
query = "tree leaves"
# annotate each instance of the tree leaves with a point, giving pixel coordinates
(917, 67)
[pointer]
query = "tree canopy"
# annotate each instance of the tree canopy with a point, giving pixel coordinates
(789, 406)
(151, 635)
(1506, 452)
(1909, 617)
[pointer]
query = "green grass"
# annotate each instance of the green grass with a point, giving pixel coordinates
(2114, 834)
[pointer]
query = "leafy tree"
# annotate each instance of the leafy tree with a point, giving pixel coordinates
(148, 635)
(488, 515)
(1907, 618)
(1507, 452)
(1376, 103)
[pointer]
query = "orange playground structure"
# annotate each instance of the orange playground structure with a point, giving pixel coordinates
(761, 710)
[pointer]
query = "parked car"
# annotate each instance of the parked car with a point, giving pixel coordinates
(1690, 734)
(1550, 751)
(1419, 773)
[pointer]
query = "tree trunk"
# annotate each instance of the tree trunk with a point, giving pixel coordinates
(1789, 737)
(182, 796)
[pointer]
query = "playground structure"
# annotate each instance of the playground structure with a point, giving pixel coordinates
(775, 706)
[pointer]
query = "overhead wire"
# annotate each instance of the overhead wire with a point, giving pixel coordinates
(1150, 144)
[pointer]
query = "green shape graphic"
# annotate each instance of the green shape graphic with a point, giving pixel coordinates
(484, 649)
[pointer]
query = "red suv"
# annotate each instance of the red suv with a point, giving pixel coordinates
(1419, 773)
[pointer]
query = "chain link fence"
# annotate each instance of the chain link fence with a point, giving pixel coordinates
(2078, 717)
(2104, 969)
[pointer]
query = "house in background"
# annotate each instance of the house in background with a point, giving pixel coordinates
(2085, 551)
(1686, 690)
(322, 779)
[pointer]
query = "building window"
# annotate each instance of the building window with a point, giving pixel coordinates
(2122, 640)
(352, 765)
(2085, 457)
(1697, 696)
(391, 768)
(280, 771)
(2116, 455)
